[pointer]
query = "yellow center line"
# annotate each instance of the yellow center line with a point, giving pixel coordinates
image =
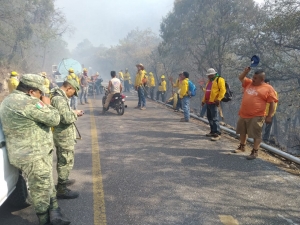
(98, 192)
(228, 220)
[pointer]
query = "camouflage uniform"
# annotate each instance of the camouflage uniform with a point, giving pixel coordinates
(64, 135)
(26, 124)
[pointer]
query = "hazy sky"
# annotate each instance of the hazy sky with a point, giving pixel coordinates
(107, 21)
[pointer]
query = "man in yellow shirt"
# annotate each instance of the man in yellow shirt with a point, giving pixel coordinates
(139, 86)
(151, 85)
(185, 98)
(177, 84)
(127, 78)
(46, 84)
(268, 126)
(162, 88)
(13, 81)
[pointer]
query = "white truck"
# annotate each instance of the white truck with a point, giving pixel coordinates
(13, 186)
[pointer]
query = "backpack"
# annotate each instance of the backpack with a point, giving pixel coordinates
(228, 94)
(192, 89)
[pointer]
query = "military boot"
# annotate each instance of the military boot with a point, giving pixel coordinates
(70, 182)
(64, 193)
(57, 218)
(44, 218)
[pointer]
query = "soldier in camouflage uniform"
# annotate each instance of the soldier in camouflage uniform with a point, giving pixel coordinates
(26, 117)
(65, 136)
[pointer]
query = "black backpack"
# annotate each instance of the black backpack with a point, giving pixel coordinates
(229, 94)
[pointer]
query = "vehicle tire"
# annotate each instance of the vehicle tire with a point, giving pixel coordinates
(121, 109)
(19, 196)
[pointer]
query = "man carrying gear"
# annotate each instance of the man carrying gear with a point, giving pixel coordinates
(26, 116)
(46, 84)
(13, 81)
(162, 88)
(114, 87)
(127, 78)
(74, 99)
(65, 136)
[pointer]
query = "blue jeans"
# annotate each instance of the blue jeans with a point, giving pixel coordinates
(213, 118)
(142, 99)
(203, 110)
(84, 92)
(186, 107)
(74, 102)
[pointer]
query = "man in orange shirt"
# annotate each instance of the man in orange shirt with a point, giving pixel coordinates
(252, 112)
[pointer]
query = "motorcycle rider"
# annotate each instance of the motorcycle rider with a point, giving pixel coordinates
(114, 87)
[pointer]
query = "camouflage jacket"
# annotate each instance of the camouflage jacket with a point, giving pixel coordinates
(26, 123)
(65, 133)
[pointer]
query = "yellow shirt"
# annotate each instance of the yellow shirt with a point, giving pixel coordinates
(184, 89)
(13, 83)
(47, 85)
(138, 79)
(121, 76)
(268, 106)
(151, 81)
(127, 76)
(162, 86)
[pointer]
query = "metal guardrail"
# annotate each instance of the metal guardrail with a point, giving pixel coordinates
(233, 132)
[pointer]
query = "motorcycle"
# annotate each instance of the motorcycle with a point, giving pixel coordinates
(117, 102)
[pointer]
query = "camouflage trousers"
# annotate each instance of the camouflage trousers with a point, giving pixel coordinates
(65, 163)
(40, 182)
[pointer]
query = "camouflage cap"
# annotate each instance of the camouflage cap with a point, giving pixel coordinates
(75, 85)
(34, 80)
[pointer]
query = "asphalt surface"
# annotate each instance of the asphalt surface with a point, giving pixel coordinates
(154, 170)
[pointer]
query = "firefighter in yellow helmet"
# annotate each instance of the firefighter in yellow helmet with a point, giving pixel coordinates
(151, 85)
(74, 99)
(127, 80)
(162, 88)
(46, 84)
(13, 81)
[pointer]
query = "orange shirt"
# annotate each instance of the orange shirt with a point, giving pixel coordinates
(255, 99)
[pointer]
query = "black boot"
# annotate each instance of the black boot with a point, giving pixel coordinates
(64, 193)
(57, 218)
(44, 218)
(70, 182)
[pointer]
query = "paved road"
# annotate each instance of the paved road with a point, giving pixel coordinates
(146, 168)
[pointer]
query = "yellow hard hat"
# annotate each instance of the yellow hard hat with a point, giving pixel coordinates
(44, 74)
(85, 70)
(151, 74)
(71, 70)
(162, 77)
(14, 73)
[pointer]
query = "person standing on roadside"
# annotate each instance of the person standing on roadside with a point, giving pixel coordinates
(64, 135)
(46, 84)
(268, 126)
(84, 83)
(151, 85)
(127, 78)
(252, 114)
(13, 81)
(139, 86)
(26, 117)
(177, 84)
(214, 93)
(162, 89)
(184, 97)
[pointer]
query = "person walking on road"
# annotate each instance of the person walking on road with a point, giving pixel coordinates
(84, 83)
(114, 87)
(127, 78)
(253, 109)
(214, 93)
(64, 135)
(74, 99)
(139, 86)
(13, 81)
(268, 126)
(26, 117)
(185, 98)
(162, 89)
(151, 85)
